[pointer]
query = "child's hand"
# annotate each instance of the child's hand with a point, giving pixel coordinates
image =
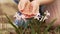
(21, 4)
(35, 7)
(27, 9)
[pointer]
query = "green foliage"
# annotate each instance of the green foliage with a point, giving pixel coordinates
(35, 26)
(9, 20)
(49, 26)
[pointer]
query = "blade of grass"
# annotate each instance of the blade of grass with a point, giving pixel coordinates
(33, 31)
(9, 20)
(32, 27)
(51, 23)
(57, 29)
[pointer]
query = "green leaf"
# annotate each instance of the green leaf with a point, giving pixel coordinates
(31, 22)
(33, 31)
(9, 20)
(51, 23)
(57, 28)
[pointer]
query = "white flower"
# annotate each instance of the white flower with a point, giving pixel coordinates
(37, 16)
(41, 18)
(17, 16)
(47, 13)
(46, 16)
(23, 17)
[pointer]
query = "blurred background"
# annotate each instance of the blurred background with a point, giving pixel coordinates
(9, 7)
